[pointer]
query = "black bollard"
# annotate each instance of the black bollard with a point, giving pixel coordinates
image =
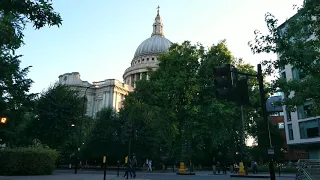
(118, 168)
(104, 165)
(105, 171)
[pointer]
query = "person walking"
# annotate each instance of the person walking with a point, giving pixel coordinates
(134, 165)
(128, 168)
(150, 165)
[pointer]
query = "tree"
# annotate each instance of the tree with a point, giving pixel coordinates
(141, 112)
(179, 103)
(59, 111)
(297, 43)
(104, 138)
(14, 84)
(177, 88)
(219, 121)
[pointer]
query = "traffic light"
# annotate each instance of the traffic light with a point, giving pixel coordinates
(242, 91)
(3, 120)
(224, 81)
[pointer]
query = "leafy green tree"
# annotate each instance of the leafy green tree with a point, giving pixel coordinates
(297, 43)
(14, 84)
(219, 121)
(104, 138)
(150, 134)
(179, 102)
(59, 111)
(177, 88)
(68, 149)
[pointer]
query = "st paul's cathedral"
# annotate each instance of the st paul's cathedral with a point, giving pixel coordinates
(111, 92)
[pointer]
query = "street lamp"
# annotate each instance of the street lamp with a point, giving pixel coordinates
(80, 130)
(3, 120)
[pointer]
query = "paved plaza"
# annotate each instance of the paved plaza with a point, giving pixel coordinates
(98, 175)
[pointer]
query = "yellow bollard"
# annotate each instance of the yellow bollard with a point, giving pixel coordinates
(241, 169)
(181, 168)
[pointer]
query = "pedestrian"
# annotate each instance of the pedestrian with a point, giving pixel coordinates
(254, 167)
(236, 168)
(146, 164)
(134, 165)
(224, 168)
(128, 169)
(150, 165)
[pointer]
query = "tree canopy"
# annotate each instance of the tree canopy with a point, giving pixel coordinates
(187, 120)
(297, 43)
(15, 100)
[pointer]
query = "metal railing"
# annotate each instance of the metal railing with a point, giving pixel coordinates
(308, 169)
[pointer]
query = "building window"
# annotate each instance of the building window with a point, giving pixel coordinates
(305, 111)
(297, 74)
(309, 129)
(288, 116)
(290, 132)
(138, 61)
(147, 59)
(281, 125)
(65, 78)
(152, 58)
(283, 75)
(276, 114)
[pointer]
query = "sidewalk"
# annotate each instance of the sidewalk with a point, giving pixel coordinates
(159, 172)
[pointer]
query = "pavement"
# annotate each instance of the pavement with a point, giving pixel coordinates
(112, 175)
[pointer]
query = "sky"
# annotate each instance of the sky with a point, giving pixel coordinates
(98, 38)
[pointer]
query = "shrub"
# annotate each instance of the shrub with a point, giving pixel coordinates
(27, 161)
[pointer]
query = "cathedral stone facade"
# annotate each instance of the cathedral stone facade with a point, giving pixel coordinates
(101, 94)
(112, 92)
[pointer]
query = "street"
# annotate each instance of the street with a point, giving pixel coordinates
(98, 175)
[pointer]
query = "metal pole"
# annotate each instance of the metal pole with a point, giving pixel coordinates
(105, 171)
(80, 131)
(242, 134)
(118, 164)
(269, 134)
(265, 116)
(129, 148)
(128, 165)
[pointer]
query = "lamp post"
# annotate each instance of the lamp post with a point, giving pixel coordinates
(80, 128)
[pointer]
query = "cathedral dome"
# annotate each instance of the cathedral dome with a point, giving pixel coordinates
(147, 53)
(156, 44)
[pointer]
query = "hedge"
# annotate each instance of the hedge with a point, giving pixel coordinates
(27, 161)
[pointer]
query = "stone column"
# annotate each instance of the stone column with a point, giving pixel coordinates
(135, 79)
(131, 80)
(141, 75)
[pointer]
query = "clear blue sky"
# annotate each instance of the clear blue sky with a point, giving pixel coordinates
(98, 38)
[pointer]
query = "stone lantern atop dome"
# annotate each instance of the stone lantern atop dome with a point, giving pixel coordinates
(147, 53)
(157, 25)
